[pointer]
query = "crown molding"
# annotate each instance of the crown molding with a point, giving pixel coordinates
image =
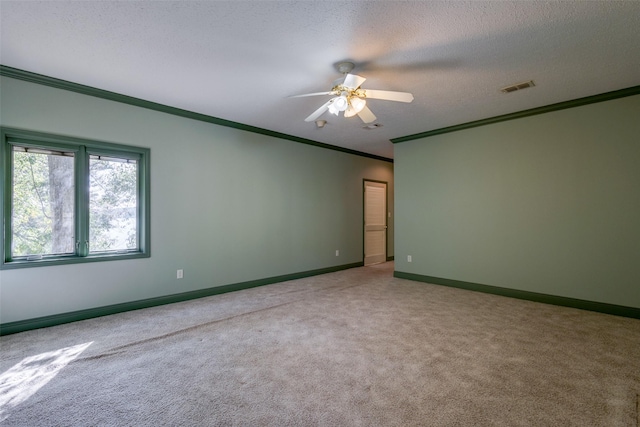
(28, 76)
(635, 90)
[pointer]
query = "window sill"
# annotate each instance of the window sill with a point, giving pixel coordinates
(64, 260)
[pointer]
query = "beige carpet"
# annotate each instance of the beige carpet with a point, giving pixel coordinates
(352, 348)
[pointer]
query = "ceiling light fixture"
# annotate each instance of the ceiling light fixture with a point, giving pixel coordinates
(320, 123)
(340, 103)
(358, 103)
(355, 106)
(349, 97)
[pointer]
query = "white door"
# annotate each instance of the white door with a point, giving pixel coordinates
(375, 222)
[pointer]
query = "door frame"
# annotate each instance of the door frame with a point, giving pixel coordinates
(386, 216)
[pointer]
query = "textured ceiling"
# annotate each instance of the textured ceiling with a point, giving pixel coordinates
(240, 60)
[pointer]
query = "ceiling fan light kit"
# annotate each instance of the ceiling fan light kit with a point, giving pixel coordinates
(341, 103)
(355, 106)
(350, 98)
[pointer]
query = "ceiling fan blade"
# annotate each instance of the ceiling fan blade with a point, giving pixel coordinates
(319, 111)
(353, 81)
(366, 115)
(311, 94)
(388, 95)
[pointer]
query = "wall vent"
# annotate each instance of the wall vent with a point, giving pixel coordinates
(372, 126)
(518, 86)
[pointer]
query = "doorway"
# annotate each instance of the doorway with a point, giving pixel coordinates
(375, 222)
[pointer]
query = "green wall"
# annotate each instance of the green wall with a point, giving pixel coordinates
(227, 206)
(548, 204)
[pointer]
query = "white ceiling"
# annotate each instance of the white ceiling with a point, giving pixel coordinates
(240, 60)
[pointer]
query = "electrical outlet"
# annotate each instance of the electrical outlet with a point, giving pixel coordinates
(180, 274)
(409, 258)
(337, 252)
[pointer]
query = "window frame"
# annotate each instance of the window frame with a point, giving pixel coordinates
(82, 149)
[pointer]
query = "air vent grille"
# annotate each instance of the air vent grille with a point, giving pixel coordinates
(518, 86)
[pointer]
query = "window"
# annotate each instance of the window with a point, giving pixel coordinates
(70, 200)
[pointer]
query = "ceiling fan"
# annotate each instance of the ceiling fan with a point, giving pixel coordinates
(350, 98)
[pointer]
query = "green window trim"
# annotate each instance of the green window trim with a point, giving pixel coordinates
(82, 150)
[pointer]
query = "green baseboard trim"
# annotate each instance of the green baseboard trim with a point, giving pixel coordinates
(74, 316)
(390, 258)
(617, 310)
(29, 76)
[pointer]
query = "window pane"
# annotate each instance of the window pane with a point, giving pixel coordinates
(43, 203)
(113, 204)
